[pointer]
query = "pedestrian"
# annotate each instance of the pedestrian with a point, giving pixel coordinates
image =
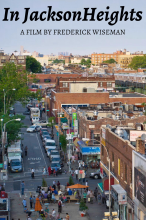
(52, 136)
(24, 203)
(72, 172)
(49, 171)
(44, 171)
(34, 201)
(58, 185)
(22, 187)
(99, 199)
(79, 165)
(25, 150)
(67, 216)
(32, 173)
(31, 201)
(95, 193)
(76, 172)
(27, 211)
(29, 218)
(85, 195)
(59, 206)
(103, 198)
(86, 184)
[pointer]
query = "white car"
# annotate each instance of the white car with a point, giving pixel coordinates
(34, 128)
(42, 123)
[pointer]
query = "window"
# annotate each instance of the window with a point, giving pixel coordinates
(102, 150)
(112, 157)
(65, 84)
(119, 167)
(84, 89)
(100, 84)
(20, 61)
(126, 172)
(109, 84)
(3, 61)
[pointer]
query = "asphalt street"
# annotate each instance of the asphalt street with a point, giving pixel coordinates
(36, 159)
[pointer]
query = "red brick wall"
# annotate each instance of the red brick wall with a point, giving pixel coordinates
(123, 151)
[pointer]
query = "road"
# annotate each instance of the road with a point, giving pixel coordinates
(35, 159)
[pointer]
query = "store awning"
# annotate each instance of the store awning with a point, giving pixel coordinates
(100, 186)
(63, 120)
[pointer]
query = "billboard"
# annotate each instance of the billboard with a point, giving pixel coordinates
(135, 134)
(140, 185)
(74, 118)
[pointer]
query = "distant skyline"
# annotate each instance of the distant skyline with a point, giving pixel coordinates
(11, 40)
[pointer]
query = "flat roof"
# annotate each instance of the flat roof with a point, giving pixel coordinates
(127, 94)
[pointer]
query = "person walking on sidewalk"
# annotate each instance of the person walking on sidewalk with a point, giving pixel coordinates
(25, 150)
(95, 193)
(32, 173)
(31, 201)
(103, 198)
(24, 203)
(76, 172)
(34, 201)
(44, 171)
(22, 187)
(49, 171)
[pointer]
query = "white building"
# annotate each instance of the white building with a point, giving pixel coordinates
(139, 185)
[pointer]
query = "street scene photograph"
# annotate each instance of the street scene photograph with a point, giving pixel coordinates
(73, 110)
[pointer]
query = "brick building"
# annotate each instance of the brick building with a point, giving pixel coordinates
(18, 60)
(120, 154)
(85, 84)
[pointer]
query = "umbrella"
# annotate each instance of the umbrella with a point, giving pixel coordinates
(77, 186)
(38, 206)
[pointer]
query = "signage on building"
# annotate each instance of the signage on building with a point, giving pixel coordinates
(90, 150)
(103, 133)
(65, 126)
(140, 185)
(119, 194)
(122, 198)
(91, 126)
(76, 127)
(81, 174)
(135, 134)
(74, 117)
(103, 142)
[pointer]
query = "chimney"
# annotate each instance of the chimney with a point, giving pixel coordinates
(140, 146)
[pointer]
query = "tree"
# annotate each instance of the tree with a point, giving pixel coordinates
(13, 83)
(63, 142)
(138, 62)
(13, 128)
(110, 61)
(32, 65)
(51, 122)
(71, 182)
(44, 183)
(58, 61)
(87, 62)
(83, 206)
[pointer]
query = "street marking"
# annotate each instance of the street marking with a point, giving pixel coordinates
(42, 152)
(34, 158)
(20, 195)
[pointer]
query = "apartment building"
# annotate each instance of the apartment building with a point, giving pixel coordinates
(117, 145)
(18, 60)
(97, 59)
(125, 60)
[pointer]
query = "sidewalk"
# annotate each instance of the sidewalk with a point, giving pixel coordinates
(17, 209)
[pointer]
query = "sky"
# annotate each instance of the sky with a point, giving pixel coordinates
(11, 40)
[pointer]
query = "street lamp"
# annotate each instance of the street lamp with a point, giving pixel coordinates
(5, 98)
(15, 119)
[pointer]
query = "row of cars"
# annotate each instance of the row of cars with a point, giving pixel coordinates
(51, 150)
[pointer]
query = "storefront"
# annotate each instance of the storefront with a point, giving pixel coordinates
(89, 154)
(119, 201)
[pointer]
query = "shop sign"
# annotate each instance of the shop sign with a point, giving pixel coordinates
(122, 198)
(103, 142)
(91, 126)
(103, 133)
(90, 150)
(74, 117)
(65, 126)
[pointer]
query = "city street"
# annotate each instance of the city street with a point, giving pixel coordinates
(36, 159)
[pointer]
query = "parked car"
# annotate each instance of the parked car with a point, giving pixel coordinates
(46, 137)
(44, 133)
(48, 150)
(48, 144)
(33, 128)
(55, 154)
(58, 160)
(42, 130)
(53, 165)
(16, 166)
(42, 123)
(95, 175)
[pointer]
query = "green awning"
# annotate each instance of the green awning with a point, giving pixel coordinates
(63, 120)
(100, 186)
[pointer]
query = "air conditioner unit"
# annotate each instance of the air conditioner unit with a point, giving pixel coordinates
(113, 164)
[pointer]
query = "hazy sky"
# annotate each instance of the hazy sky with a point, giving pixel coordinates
(10, 38)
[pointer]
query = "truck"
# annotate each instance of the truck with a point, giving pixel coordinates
(14, 151)
(34, 113)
